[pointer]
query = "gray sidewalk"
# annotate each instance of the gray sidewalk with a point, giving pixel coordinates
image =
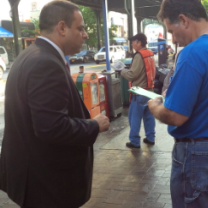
(125, 178)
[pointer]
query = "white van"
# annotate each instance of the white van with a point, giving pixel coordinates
(4, 55)
(116, 52)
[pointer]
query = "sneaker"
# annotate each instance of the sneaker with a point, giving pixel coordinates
(145, 140)
(130, 145)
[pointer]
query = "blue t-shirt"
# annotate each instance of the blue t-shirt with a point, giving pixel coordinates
(188, 90)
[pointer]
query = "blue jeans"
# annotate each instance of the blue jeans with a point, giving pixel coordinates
(189, 175)
(138, 110)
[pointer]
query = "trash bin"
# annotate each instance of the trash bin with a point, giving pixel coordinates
(114, 95)
(125, 83)
(124, 91)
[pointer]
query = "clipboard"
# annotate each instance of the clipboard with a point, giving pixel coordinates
(146, 93)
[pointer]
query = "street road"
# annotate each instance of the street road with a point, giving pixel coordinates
(88, 67)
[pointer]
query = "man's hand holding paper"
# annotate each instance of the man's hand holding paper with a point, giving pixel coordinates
(153, 103)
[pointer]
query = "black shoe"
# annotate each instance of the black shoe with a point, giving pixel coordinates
(145, 140)
(130, 145)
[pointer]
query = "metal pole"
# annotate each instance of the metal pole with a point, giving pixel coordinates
(139, 22)
(130, 22)
(16, 26)
(105, 22)
(132, 15)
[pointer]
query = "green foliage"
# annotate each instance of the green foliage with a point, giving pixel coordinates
(205, 4)
(37, 29)
(91, 27)
(36, 23)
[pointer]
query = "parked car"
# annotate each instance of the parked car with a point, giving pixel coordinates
(2, 67)
(83, 56)
(4, 55)
(116, 52)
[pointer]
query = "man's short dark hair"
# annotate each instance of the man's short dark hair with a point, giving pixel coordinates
(140, 37)
(171, 9)
(56, 11)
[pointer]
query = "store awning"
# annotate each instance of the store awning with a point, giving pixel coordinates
(5, 33)
(120, 40)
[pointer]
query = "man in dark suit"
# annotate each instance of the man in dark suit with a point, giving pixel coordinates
(47, 151)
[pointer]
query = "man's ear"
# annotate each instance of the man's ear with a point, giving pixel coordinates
(61, 27)
(184, 20)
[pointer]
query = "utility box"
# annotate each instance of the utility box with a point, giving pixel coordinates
(104, 104)
(88, 87)
(162, 51)
(114, 95)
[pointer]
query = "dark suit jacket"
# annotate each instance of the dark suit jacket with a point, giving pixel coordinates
(47, 150)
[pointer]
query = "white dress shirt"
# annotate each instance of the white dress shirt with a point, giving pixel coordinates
(56, 47)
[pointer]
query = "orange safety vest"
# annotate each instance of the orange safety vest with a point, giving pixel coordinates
(149, 63)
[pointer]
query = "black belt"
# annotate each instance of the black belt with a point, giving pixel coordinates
(190, 140)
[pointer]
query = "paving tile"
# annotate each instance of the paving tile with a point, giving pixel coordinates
(152, 197)
(165, 189)
(125, 178)
(153, 205)
(168, 206)
(3, 195)
(164, 198)
(3, 201)
(10, 206)
(114, 201)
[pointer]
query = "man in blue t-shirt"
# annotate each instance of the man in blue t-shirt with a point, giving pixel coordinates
(185, 109)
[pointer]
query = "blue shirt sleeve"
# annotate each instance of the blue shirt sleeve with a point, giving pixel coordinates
(184, 89)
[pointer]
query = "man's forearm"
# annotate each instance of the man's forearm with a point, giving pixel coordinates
(165, 115)
(162, 114)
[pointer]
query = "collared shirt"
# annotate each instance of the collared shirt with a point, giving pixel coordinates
(188, 90)
(56, 47)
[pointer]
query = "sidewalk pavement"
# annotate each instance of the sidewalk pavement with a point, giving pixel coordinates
(127, 178)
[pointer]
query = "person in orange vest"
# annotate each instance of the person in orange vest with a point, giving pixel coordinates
(141, 74)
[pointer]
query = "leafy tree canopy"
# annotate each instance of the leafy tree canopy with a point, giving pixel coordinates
(205, 4)
(91, 27)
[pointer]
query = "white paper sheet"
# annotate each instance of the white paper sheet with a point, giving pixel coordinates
(146, 93)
